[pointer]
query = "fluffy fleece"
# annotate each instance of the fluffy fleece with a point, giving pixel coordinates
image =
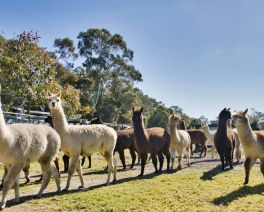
(82, 140)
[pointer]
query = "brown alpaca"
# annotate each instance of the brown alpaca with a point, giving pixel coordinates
(224, 138)
(197, 137)
(252, 142)
(155, 141)
(125, 140)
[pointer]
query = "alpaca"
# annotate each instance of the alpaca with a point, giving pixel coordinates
(22, 144)
(197, 137)
(155, 141)
(180, 140)
(125, 140)
(224, 138)
(209, 135)
(252, 142)
(82, 140)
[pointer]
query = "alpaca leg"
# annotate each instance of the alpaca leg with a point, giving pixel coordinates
(155, 162)
(204, 148)
(144, 158)
(56, 174)
(133, 156)
(249, 162)
(16, 188)
(222, 158)
(161, 160)
(168, 156)
(139, 158)
(262, 166)
(83, 160)
(79, 171)
(188, 155)
(26, 172)
(12, 175)
(122, 158)
(90, 161)
(191, 148)
(109, 158)
(56, 163)
(46, 174)
(173, 155)
(4, 176)
(73, 164)
(180, 153)
(212, 152)
(66, 159)
(229, 159)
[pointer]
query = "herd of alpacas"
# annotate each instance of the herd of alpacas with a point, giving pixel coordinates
(23, 144)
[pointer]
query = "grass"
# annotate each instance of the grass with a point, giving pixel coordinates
(199, 188)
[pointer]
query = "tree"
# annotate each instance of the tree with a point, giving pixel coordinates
(159, 118)
(65, 51)
(107, 57)
(27, 70)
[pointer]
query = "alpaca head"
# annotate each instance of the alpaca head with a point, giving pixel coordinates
(239, 118)
(137, 115)
(224, 115)
(54, 101)
(174, 120)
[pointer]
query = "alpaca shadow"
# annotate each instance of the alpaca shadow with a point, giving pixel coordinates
(215, 171)
(239, 193)
(26, 198)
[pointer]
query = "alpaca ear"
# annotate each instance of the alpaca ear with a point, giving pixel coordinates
(228, 109)
(133, 109)
(49, 94)
(141, 110)
(245, 112)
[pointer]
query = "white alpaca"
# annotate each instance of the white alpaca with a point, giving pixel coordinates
(82, 140)
(180, 140)
(209, 135)
(22, 144)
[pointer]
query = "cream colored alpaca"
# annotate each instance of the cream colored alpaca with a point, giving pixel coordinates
(22, 144)
(180, 140)
(210, 136)
(252, 142)
(82, 140)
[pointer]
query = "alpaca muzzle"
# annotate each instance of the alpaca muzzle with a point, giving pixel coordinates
(53, 104)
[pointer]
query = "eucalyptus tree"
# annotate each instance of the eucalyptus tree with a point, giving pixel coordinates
(107, 60)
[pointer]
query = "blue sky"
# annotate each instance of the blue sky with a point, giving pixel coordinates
(201, 55)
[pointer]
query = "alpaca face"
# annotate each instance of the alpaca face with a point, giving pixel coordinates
(54, 102)
(225, 114)
(175, 120)
(239, 118)
(137, 116)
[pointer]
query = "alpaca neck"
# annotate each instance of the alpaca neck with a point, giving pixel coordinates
(59, 120)
(4, 133)
(222, 127)
(207, 131)
(140, 132)
(174, 132)
(245, 133)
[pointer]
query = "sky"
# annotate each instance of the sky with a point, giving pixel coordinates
(200, 55)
